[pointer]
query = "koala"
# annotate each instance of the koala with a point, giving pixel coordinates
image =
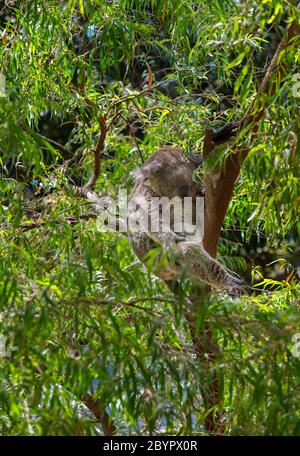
(168, 174)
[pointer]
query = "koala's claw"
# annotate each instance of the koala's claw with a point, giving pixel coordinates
(238, 287)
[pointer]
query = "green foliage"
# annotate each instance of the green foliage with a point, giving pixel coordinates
(78, 312)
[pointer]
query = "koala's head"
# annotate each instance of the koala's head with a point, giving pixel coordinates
(168, 173)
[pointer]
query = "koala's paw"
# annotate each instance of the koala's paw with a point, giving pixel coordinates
(180, 238)
(169, 241)
(238, 287)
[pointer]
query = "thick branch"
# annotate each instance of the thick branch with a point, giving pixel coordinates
(104, 127)
(97, 153)
(95, 407)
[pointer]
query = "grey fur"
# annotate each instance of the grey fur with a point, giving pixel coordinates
(167, 173)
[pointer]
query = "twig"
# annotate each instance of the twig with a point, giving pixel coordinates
(55, 143)
(130, 303)
(134, 137)
(135, 95)
(72, 220)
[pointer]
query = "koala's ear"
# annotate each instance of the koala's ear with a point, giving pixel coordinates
(152, 168)
(137, 174)
(195, 158)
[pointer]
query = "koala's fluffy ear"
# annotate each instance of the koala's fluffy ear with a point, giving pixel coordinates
(152, 168)
(147, 171)
(137, 174)
(195, 158)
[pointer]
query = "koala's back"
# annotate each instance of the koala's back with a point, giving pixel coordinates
(168, 172)
(167, 154)
(177, 168)
(170, 175)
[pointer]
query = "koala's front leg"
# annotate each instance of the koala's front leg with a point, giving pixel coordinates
(167, 239)
(205, 268)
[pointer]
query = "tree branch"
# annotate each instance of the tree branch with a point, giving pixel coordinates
(219, 188)
(95, 407)
(97, 153)
(218, 192)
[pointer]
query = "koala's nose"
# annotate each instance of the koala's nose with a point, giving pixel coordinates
(184, 191)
